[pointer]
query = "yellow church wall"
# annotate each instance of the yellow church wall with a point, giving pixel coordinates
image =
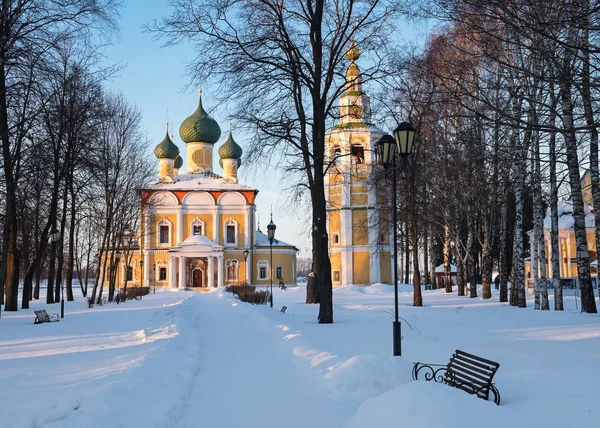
(385, 263)
(361, 273)
(334, 221)
(359, 199)
(335, 201)
(286, 261)
(336, 268)
(360, 233)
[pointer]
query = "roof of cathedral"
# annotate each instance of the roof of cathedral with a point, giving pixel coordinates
(200, 127)
(200, 181)
(178, 162)
(230, 149)
(196, 243)
(262, 240)
(166, 149)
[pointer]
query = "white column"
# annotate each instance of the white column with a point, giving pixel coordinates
(216, 225)
(182, 272)
(172, 271)
(221, 272)
(147, 228)
(211, 272)
(180, 226)
(248, 226)
(146, 268)
(248, 266)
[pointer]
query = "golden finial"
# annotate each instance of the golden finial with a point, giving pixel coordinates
(353, 53)
(230, 126)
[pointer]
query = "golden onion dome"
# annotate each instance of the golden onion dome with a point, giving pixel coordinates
(353, 53)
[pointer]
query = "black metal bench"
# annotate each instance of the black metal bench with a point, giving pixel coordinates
(464, 371)
(42, 316)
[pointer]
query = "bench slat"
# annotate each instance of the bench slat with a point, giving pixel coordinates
(476, 363)
(474, 370)
(476, 358)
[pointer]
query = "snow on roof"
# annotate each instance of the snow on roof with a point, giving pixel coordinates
(262, 240)
(200, 181)
(195, 243)
(440, 268)
(565, 216)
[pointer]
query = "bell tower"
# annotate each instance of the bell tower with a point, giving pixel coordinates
(359, 243)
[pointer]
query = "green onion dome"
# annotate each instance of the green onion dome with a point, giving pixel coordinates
(230, 150)
(200, 127)
(178, 162)
(166, 149)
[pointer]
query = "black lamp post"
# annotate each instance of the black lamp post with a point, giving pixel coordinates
(154, 277)
(386, 149)
(246, 252)
(54, 237)
(141, 277)
(271, 234)
(117, 257)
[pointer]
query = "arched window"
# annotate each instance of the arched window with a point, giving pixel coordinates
(129, 273)
(279, 272)
(232, 267)
(162, 274)
(336, 155)
(263, 269)
(358, 154)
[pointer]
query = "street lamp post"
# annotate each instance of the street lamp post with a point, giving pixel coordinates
(117, 257)
(271, 234)
(54, 237)
(246, 252)
(154, 277)
(141, 277)
(386, 155)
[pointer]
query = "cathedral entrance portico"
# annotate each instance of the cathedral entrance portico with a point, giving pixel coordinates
(197, 262)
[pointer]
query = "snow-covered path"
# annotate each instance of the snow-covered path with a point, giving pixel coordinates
(247, 378)
(187, 359)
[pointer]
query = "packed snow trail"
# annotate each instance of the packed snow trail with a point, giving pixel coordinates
(247, 379)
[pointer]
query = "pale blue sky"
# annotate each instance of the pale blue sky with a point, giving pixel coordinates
(155, 80)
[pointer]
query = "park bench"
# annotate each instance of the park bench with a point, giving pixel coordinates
(42, 316)
(464, 371)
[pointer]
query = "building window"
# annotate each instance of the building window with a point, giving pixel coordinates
(163, 234)
(232, 270)
(279, 272)
(335, 238)
(358, 154)
(383, 238)
(230, 232)
(129, 273)
(263, 267)
(162, 274)
(197, 227)
(337, 153)
(336, 275)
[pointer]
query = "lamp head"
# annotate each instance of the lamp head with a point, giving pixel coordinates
(405, 134)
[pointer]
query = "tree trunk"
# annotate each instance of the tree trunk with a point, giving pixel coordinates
(447, 267)
(558, 294)
(588, 304)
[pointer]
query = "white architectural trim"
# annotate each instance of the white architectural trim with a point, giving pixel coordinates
(259, 264)
(236, 265)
